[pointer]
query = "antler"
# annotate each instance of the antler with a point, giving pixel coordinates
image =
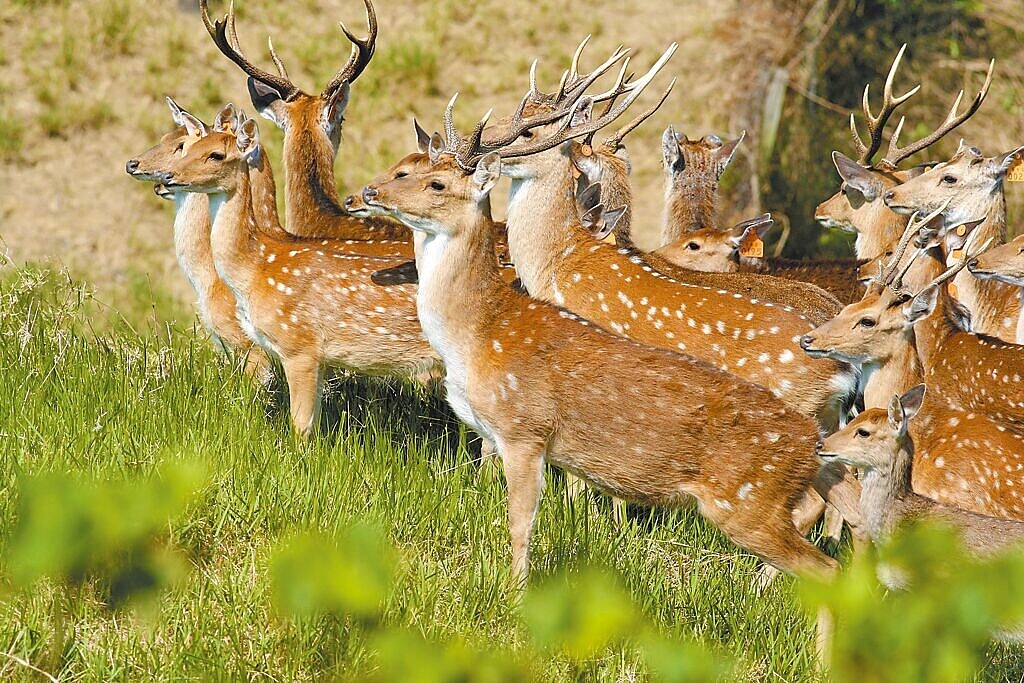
(896, 154)
(876, 124)
(632, 90)
(225, 38)
(362, 52)
(616, 140)
(952, 272)
(914, 226)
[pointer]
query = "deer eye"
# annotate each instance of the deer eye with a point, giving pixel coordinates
(693, 246)
(437, 185)
(401, 174)
(862, 433)
(216, 156)
(180, 147)
(866, 322)
(949, 179)
(527, 134)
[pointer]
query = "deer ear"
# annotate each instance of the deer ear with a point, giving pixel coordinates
(436, 148)
(248, 141)
(1009, 159)
(404, 274)
(611, 220)
(857, 177)
(337, 103)
(422, 137)
(724, 156)
(912, 401)
(487, 172)
(922, 305)
(582, 113)
(176, 112)
(226, 119)
(193, 126)
(674, 161)
(267, 101)
(589, 197)
(897, 416)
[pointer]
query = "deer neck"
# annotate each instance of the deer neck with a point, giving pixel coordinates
(465, 263)
(988, 300)
(192, 243)
(935, 330)
(690, 204)
(884, 491)
(617, 192)
(264, 197)
(893, 375)
(312, 197)
(543, 225)
(235, 236)
(878, 230)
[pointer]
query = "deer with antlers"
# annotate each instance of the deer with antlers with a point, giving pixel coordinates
(878, 441)
(964, 458)
(312, 134)
(307, 301)
(859, 205)
(544, 384)
(558, 261)
(969, 185)
(1004, 263)
(215, 301)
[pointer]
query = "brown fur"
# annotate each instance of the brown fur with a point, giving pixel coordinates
(546, 385)
(1004, 263)
(306, 301)
(693, 169)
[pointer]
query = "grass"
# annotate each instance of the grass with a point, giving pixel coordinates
(121, 405)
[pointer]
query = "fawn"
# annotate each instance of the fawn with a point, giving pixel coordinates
(878, 441)
(544, 385)
(304, 300)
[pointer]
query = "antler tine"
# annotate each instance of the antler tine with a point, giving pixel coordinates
(533, 80)
(953, 120)
(567, 131)
(471, 150)
(361, 54)
(955, 270)
(575, 88)
(614, 141)
(453, 137)
(914, 226)
(612, 94)
(889, 269)
(876, 124)
(225, 38)
(277, 60)
(574, 66)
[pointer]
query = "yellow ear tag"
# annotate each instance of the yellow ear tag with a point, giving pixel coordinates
(752, 247)
(958, 254)
(961, 230)
(610, 238)
(952, 290)
(1016, 172)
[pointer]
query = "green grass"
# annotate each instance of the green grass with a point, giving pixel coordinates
(120, 406)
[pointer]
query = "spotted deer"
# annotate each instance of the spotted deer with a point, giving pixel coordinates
(558, 261)
(970, 185)
(312, 134)
(693, 169)
(214, 299)
(722, 250)
(605, 165)
(543, 384)
(878, 442)
(859, 205)
(306, 301)
(1004, 263)
(964, 458)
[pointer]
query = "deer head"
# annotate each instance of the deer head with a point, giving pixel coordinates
(716, 250)
(277, 98)
(417, 162)
(212, 164)
(1004, 263)
(693, 169)
(968, 182)
(874, 438)
(149, 166)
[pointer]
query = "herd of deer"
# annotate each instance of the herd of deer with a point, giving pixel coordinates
(742, 374)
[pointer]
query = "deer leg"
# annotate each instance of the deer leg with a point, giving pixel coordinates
(524, 475)
(490, 461)
(305, 382)
(840, 488)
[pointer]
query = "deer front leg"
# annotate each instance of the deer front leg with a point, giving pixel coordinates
(305, 382)
(524, 474)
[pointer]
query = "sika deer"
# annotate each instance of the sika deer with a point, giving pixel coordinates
(559, 262)
(971, 186)
(964, 458)
(312, 133)
(215, 301)
(305, 300)
(544, 384)
(693, 169)
(878, 442)
(1004, 263)
(859, 205)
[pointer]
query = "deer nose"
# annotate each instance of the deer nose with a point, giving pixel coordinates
(972, 264)
(818, 446)
(349, 201)
(806, 341)
(132, 166)
(369, 193)
(889, 196)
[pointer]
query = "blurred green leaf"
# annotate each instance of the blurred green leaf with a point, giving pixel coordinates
(408, 658)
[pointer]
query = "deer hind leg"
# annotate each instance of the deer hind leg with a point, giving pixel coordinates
(524, 475)
(305, 383)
